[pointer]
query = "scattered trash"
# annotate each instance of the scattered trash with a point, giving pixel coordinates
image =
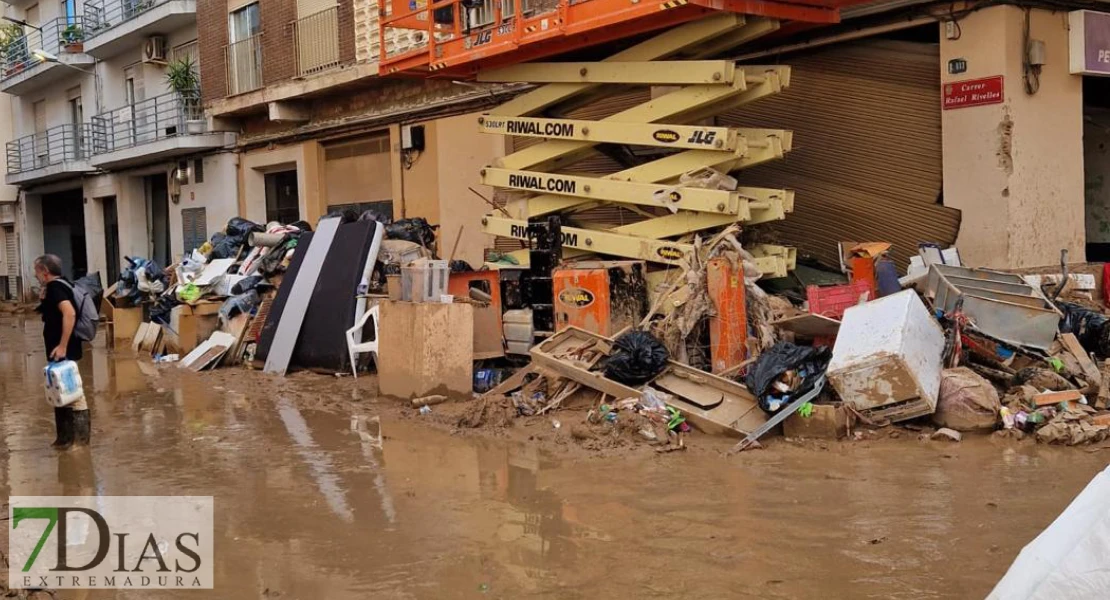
(428, 401)
(966, 401)
(783, 372)
(637, 357)
(945, 433)
(425, 409)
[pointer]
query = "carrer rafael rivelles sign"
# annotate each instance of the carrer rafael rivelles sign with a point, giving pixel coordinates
(972, 92)
(1089, 42)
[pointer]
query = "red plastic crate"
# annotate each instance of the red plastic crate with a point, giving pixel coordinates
(831, 301)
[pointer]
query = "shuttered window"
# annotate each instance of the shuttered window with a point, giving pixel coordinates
(194, 228)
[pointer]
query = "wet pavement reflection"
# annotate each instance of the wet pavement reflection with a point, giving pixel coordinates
(334, 503)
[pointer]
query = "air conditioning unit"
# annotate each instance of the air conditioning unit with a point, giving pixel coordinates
(154, 50)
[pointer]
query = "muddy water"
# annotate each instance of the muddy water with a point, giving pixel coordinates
(309, 507)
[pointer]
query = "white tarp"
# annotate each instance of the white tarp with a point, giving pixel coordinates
(1070, 560)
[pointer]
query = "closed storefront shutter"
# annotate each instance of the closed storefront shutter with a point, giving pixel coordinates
(11, 260)
(358, 175)
(866, 163)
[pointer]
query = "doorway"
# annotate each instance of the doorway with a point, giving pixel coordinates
(158, 207)
(63, 231)
(282, 200)
(1096, 166)
(111, 238)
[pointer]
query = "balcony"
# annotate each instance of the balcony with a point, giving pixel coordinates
(316, 38)
(244, 65)
(57, 153)
(44, 56)
(156, 129)
(114, 26)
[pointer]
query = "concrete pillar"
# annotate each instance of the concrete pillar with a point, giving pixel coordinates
(134, 239)
(30, 238)
(1015, 168)
(96, 250)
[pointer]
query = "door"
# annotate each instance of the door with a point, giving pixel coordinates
(133, 126)
(244, 50)
(282, 199)
(111, 238)
(76, 119)
(42, 145)
(159, 197)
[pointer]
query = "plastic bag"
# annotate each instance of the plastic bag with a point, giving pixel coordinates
(243, 303)
(240, 228)
(93, 287)
(245, 285)
(1089, 326)
(162, 309)
(809, 363)
(415, 230)
(966, 401)
(188, 293)
(637, 358)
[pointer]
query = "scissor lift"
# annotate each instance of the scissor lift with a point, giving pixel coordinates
(676, 125)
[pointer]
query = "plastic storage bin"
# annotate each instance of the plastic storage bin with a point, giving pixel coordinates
(63, 383)
(831, 301)
(887, 359)
(424, 280)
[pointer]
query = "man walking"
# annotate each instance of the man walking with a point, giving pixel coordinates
(59, 317)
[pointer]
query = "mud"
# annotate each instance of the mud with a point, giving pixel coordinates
(309, 503)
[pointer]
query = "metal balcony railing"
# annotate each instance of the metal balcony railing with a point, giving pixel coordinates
(64, 34)
(317, 40)
(244, 65)
(51, 147)
(150, 120)
(102, 15)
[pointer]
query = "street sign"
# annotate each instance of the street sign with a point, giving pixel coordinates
(973, 92)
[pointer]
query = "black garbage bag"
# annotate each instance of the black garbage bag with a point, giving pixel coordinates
(238, 227)
(1089, 326)
(416, 230)
(808, 361)
(227, 247)
(249, 283)
(93, 287)
(243, 303)
(461, 266)
(637, 357)
(162, 307)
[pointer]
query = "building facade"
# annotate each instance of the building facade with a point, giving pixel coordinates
(111, 161)
(320, 130)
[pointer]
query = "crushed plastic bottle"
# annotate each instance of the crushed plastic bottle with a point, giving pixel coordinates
(425, 409)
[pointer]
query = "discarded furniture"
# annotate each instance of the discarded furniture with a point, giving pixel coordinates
(192, 324)
(360, 347)
(425, 348)
(488, 326)
(887, 359)
(710, 403)
(1001, 305)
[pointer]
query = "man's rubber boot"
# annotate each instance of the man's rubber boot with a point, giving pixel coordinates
(82, 427)
(63, 423)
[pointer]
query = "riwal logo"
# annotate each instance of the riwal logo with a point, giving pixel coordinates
(120, 542)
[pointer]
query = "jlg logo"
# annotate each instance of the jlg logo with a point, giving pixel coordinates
(704, 138)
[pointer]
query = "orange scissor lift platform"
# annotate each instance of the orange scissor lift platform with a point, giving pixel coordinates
(448, 44)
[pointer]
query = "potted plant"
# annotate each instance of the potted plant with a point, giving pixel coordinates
(73, 38)
(13, 48)
(182, 78)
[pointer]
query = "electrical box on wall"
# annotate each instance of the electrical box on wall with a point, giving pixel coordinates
(412, 138)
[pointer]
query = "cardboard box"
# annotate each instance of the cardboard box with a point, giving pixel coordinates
(828, 421)
(425, 348)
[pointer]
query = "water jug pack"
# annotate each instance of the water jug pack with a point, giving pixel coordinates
(63, 383)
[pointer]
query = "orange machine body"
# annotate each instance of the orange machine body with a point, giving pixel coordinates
(600, 296)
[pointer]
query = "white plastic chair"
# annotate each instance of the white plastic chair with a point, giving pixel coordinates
(356, 348)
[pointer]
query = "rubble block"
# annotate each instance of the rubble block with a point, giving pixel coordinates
(425, 348)
(827, 421)
(887, 359)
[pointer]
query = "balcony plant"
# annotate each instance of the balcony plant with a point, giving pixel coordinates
(73, 38)
(183, 79)
(13, 49)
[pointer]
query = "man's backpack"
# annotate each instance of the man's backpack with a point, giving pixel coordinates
(87, 315)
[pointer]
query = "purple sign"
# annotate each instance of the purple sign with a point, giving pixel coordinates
(1096, 43)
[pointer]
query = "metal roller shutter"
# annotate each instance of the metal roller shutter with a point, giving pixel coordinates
(866, 163)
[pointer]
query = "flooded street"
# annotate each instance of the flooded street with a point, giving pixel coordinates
(310, 505)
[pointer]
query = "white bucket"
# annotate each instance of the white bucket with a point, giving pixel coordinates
(63, 383)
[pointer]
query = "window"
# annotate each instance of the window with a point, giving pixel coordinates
(194, 228)
(245, 23)
(69, 11)
(198, 170)
(76, 110)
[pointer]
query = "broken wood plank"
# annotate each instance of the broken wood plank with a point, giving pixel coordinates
(1088, 367)
(1051, 398)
